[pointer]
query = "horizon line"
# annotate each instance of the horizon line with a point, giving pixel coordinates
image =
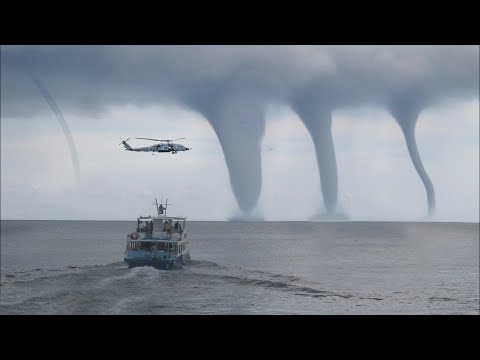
(247, 221)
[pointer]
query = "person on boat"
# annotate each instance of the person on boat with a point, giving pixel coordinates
(167, 227)
(176, 226)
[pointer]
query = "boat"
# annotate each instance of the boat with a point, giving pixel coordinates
(158, 241)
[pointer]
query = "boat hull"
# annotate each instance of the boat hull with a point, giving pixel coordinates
(156, 263)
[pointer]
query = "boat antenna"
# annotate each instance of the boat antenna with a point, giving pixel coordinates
(156, 205)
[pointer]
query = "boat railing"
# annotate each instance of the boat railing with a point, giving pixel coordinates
(155, 236)
(155, 245)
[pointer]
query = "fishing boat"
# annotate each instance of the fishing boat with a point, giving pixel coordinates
(158, 241)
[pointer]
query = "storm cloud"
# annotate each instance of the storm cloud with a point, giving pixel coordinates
(231, 86)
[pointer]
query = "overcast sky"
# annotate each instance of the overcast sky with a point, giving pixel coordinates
(376, 178)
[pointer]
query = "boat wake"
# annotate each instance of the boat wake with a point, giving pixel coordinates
(256, 278)
(115, 289)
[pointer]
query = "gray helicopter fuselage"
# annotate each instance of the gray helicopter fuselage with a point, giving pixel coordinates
(158, 148)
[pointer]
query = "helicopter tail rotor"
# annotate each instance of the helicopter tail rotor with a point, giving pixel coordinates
(124, 143)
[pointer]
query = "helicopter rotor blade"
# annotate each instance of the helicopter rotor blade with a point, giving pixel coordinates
(154, 139)
(164, 140)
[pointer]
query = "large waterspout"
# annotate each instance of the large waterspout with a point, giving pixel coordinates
(239, 122)
(406, 116)
(318, 124)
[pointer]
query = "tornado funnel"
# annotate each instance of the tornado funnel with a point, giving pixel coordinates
(318, 121)
(406, 116)
(239, 122)
(61, 120)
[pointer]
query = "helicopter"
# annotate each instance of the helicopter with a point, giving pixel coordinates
(164, 146)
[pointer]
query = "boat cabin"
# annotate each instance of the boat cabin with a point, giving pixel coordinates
(164, 227)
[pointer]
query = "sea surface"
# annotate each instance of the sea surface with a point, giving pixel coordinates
(76, 267)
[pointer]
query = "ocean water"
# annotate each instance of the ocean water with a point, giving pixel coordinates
(76, 267)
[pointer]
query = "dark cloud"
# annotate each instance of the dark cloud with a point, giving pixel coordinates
(230, 86)
(88, 78)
